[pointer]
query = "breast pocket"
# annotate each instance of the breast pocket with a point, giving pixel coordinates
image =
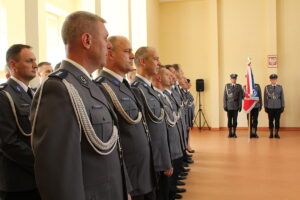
(23, 117)
(102, 122)
(154, 105)
(129, 106)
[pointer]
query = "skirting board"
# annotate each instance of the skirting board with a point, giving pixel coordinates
(246, 128)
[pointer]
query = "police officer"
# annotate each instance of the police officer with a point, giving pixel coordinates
(134, 134)
(75, 134)
(17, 179)
(274, 104)
(147, 62)
(254, 113)
(233, 95)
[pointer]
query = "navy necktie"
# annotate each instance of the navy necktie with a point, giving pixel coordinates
(29, 93)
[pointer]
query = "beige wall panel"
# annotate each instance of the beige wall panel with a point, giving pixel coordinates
(288, 56)
(184, 39)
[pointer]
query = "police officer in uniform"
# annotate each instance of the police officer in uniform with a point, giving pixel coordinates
(254, 113)
(75, 135)
(134, 135)
(162, 82)
(17, 179)
(233, 95)
(274, 104)
(147, 63)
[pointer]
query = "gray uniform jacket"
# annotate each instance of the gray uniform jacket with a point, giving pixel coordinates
(233, 97)
(16, 157)
(190, 107)
(134, 140)
(66, 166)
(259, 103)
(273, 97)
(176, 95)
(173, 131)
(176, 108)
(158, 130)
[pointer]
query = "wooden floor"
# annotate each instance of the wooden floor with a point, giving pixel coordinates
(244, 168)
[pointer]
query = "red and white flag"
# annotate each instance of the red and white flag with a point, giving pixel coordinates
(251, 94)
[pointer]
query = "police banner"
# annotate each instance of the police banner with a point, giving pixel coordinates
(251, 94)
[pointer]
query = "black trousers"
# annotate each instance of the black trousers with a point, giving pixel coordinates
(177, 167)
(232, 118)
(274, 114)
(24, 195)
(148, 196)
(163, 187)
(254, 116)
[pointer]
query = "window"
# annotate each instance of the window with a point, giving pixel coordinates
(115, 12)
(3, 41)
(55, 48)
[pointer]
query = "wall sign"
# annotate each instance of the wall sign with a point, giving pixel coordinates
(272, 61)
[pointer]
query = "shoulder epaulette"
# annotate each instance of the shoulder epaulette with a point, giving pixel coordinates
(61, 73)
(135, 84)
(100, 79)
(2, 86)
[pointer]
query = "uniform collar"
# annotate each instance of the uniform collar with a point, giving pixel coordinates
(23, 85)
(169, 91)
(158, 90)
(145, 80)
(80, 67)
(114, 74)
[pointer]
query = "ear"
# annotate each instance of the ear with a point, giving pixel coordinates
(86, 40)
(12, 65)
(142, 61)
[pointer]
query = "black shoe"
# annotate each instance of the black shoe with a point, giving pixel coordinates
(180, 183)
(189, 155)
(191, 151)
(183, 174)
(189, 161)
(181, 177)
(277, 136)
(271, 136)
(186, 170)
(180, 190)
(185, 165)
(177, 196)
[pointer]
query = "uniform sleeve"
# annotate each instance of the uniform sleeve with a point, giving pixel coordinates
(225, 99)
(260, 96)
(11, 144)
(56, 145)
(241, 97)
(265, 98)
(282, 98)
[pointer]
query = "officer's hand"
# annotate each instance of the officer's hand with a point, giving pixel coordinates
(240, 109)
(267, 110)
(128, 197)
(226, 109)
(169, 172)
(282, 109)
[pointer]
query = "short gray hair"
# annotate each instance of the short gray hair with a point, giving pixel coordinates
(78, 23)
(141, 53)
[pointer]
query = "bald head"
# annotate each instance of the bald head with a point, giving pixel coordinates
(120, 56)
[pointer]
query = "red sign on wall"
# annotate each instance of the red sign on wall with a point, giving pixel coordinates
(272, 61)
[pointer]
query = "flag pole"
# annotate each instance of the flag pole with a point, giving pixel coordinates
(249, 124)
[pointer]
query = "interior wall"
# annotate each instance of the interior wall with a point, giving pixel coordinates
(183, 36)
(242, 26)
(153, 20)
(288, 56)
(248, 28)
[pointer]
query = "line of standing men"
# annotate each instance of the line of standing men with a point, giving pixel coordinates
(273, 103)
(94, 139)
